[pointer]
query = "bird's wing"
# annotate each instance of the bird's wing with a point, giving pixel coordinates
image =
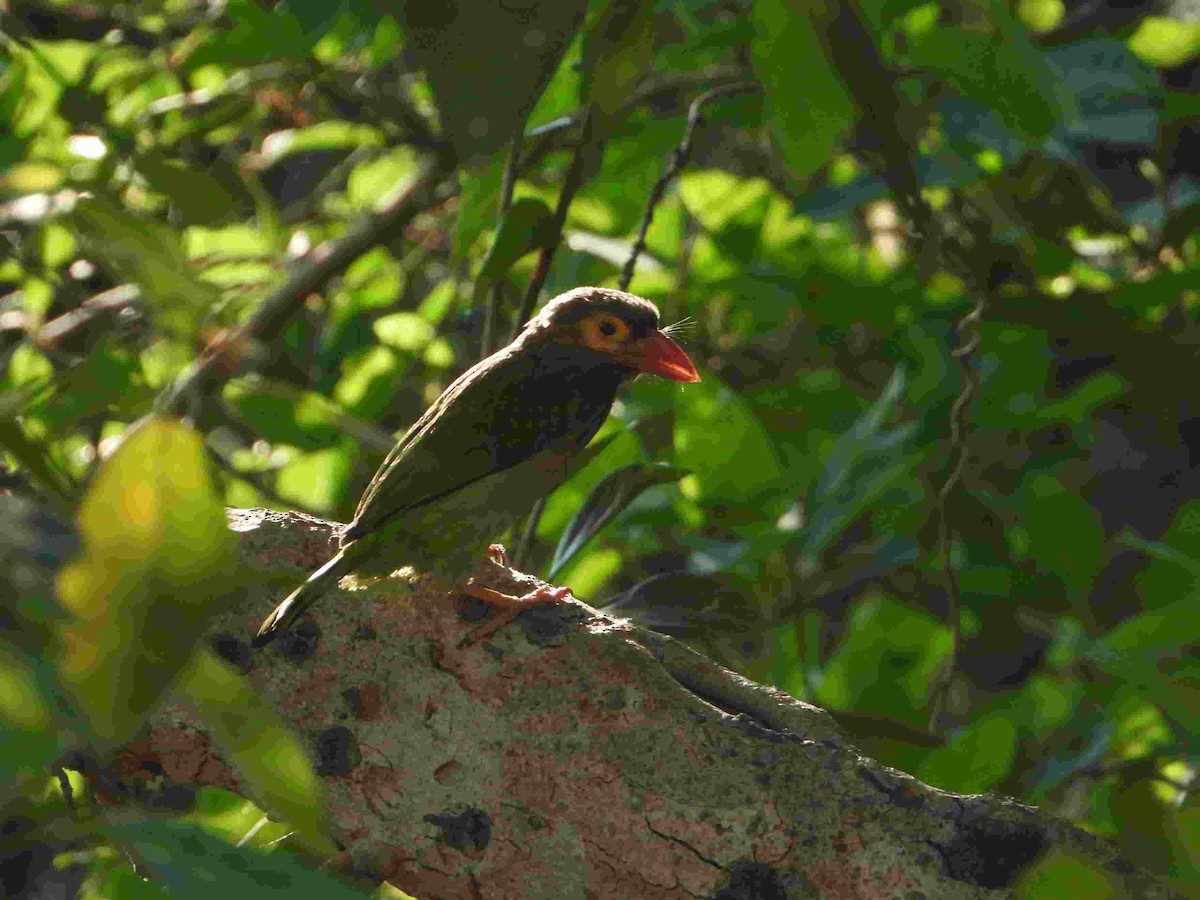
(485, 422)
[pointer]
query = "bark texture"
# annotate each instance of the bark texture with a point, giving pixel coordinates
(574, 755)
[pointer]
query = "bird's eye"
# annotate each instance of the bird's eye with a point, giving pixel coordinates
(604, 332)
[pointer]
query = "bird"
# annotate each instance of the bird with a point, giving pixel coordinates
(496, 440)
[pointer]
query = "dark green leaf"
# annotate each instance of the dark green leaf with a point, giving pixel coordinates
(198, 196)
(486, 62)
(1005, 71)
(691, 606)
(525, 228)
(607, 499)
(193, 864)
(807, 104)
(617, 50)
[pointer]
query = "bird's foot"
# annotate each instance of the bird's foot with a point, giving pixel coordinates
(545, 594)
(509, 607)
(497, 554)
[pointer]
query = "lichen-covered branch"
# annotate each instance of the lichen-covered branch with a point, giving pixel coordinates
(570, 754)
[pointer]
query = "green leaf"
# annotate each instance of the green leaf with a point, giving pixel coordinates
(978, 757)
(1060, 874)
(486, 62)
(1166, 42)
(198, 196)
(526, 227)
(606, 500)
(194, 864)
(859, 468)
(282, 414)
(1066, 537)
(885, 661)
(157, 556)
(618, 49)
(807, 105)
(31, 742)
(258, 34)
(407, 331)
(691, 606)
(711, 421)
(1145, 652)
(277, 770)
(478, 199)
(34, 459)
(1003, 71)
(146, 254)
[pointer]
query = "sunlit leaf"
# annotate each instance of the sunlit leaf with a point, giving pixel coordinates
(147, 254)
(193, 864)
(157, 555)
(1166, 42)
(278, 772)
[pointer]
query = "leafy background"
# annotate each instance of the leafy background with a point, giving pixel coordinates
(293, 223)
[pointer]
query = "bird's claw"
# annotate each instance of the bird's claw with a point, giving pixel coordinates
(510, 607)
(497, 554)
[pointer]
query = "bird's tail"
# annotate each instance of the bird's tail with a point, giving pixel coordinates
(302, 598)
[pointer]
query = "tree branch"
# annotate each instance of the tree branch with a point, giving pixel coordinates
(573, 754)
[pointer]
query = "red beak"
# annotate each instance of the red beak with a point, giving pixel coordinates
(658, 355)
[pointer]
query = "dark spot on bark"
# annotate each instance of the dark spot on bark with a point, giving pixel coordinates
(466, 829)
(615, 699)
(353, 698)
(763, 779)
(300, 641)
(153, 766)
(545, 625)
(365, 633)
(750, 880)
(364, 866)
(992, 853)
(233, 650)
(337, 751)
(472, 609)
(907, 797)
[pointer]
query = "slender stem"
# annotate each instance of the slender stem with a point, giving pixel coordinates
(571, 185)
(509, 180)
(675, 163)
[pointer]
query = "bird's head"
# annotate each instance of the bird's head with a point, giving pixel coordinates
(616, 326)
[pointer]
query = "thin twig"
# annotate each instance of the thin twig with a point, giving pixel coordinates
(675, 163)
(571, 185)
(491, 321)
(969, 342)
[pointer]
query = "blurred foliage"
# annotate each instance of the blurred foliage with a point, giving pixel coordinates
(174, 175)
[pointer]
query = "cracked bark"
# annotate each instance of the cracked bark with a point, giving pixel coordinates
(576, 755)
